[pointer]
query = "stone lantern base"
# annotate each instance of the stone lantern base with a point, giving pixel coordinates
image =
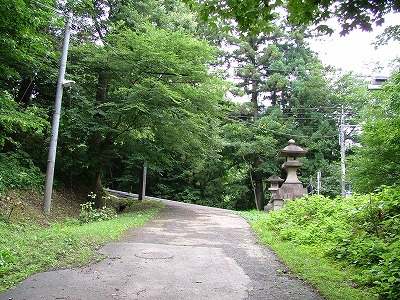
(268, 207)
(277, 204)
(292, 190)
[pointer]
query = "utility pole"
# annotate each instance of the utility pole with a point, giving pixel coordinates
(342, 139)
(56, 119)
(142, 183)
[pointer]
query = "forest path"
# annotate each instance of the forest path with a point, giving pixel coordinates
(187, 252)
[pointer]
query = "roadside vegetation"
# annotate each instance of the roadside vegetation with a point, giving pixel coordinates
(347, 248)
(31, 242)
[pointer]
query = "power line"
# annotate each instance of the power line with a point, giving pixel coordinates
(316, 107)
(300, 136)
(290, 71)
(291, 134)
(293, 117)
(38, 69)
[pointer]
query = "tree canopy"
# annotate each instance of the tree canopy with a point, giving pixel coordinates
(259, 15)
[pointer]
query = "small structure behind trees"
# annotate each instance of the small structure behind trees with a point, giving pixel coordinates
(292, 187)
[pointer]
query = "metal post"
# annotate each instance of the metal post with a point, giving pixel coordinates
(56, 120)
(319, 175)
(342, 154)
(142, 187)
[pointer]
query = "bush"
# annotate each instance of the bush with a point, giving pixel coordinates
(360, 230)
(7, 259)
(18, 172)
(89, 214)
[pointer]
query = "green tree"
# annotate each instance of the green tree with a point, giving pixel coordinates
(286, 83)
(317, 104)
(255, 58)
(153, 88)
(25, 44)
(376, 162)
(18, 127)
(259, 15)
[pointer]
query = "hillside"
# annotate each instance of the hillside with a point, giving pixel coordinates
(26, 206)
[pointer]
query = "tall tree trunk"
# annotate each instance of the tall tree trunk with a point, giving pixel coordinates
(96, 141)
(258, 182)
(102, 85)
(98, 189)
(254, 99)
(274, 100)
(257, 174)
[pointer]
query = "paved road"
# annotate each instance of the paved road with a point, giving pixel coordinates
(188, 252)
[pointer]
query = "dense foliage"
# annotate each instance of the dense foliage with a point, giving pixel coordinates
(18, 127)
(360, 230)
(258, 15)
(377, 161)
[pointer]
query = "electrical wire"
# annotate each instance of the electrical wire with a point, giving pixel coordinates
(38, 69)
(290, 134)
(301, 136)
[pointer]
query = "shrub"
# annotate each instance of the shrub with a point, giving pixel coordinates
(90, 214)
(361, 230)
(7, 259)
(17, 171)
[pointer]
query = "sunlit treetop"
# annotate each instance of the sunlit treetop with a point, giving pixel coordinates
(256, 16)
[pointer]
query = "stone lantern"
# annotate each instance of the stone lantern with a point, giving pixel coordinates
(292, 187)
(274, 182)
(276, 199)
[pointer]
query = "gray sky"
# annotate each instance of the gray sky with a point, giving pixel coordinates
(354, 51)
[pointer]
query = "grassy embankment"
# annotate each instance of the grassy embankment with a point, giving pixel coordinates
(347, 248)
(332, 279)
(31, 242)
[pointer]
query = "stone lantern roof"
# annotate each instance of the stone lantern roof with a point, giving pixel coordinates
(275, 178)
(292, 150)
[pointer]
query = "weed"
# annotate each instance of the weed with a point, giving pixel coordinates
(90, 214)
(8, 205)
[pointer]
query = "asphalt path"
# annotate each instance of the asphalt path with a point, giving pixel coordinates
(187, 252)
